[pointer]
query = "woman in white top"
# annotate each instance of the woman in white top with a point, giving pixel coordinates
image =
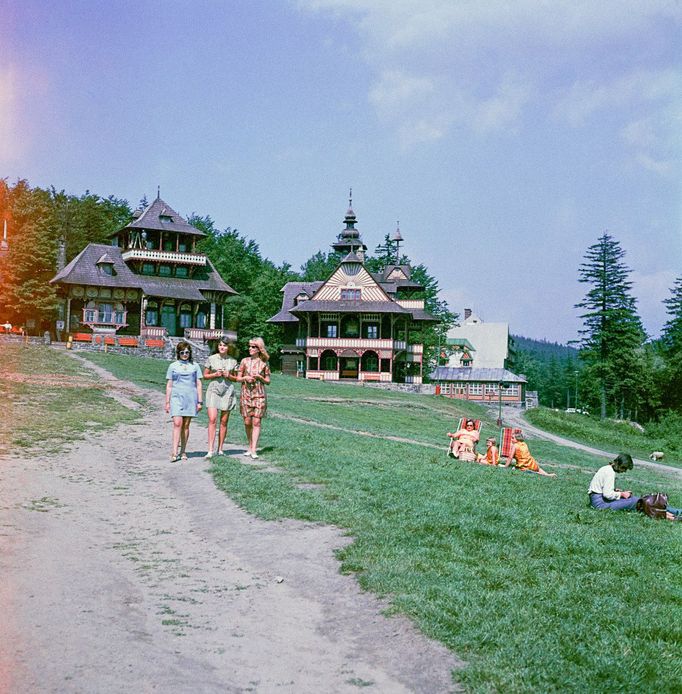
(220, 395)
(603, 492)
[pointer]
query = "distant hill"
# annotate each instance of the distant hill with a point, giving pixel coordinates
(543, 349)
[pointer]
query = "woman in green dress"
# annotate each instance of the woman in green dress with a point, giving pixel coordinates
(220, 396)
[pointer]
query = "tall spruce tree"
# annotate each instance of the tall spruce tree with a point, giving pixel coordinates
(612, 337)
(671, 343)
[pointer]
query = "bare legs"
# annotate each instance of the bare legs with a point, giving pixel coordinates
(252, 427)
(212, 425)
(180, 435)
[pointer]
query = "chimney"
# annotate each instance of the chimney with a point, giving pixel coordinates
(467, 313)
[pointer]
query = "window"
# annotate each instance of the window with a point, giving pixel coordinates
(107, 268)
(312, 363)
(330, 329)
(182, 247)
(446, 388)
(513, 389)
(185, 316)
(147, 268)
(491, 388)
(475, 389)
(371, 331)
(151, 316)
(181, 271)
(201, 319)
(165, 270)
(168, 246)
(350, 295)
(89, 315)
(386, 365)
(106, 313)
(459, 388)
(119, 314)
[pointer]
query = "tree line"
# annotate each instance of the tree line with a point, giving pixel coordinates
(616, 370)
(39, 219)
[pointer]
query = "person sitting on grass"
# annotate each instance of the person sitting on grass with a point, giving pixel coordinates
(604, 494)
(492, 454)
(524, 460)
(464, 439)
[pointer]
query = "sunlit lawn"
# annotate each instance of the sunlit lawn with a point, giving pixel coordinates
(48, 399)
(534, 590)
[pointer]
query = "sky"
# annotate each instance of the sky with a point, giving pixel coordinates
(505, 138)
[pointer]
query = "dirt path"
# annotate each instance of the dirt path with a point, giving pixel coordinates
(124, 573)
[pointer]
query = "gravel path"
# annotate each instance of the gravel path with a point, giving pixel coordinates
(124, 573)
(514, 417)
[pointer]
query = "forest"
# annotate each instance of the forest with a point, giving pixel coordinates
(612, 369)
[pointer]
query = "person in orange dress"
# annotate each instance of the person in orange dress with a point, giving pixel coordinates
(464, 439)
(254, 374)
(492, 454)
(524, 460)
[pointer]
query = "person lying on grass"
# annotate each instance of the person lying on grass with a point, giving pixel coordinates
(492, 454)
(524, 460)
(604, 494)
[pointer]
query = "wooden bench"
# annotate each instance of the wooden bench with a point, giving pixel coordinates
(109, 340)
(82, 337)
(127, 341)
(154, 342)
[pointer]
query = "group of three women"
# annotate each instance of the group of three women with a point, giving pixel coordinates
(184, 394)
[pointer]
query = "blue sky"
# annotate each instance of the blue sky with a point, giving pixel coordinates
(505, 137)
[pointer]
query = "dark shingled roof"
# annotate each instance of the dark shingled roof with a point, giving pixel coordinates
(291, 290)
(84, 269)
(350, 307)
(152, 216)
(471, 373)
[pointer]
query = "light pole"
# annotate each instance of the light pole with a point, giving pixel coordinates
(499, 399)
(576, 388)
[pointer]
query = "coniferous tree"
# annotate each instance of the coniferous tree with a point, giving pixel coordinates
(613, 334)
(670, 377)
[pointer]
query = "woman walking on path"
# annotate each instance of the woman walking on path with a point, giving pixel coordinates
(220, 395)
(183, 397)
(254, 375)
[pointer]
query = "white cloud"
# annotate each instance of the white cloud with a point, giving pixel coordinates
(444, 62)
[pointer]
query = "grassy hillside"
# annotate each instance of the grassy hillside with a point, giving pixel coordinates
(613, 435)
(534, 590)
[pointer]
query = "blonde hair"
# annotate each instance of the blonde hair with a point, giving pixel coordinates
(262, 352)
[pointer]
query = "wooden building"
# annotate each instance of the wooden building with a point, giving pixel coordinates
(354, 325)
(480, 385)
(151, 282)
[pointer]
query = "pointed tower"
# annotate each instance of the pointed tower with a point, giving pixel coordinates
(349, 240)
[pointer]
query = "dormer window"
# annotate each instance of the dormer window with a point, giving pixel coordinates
(166, 218)
(106, 265)
(300, 298)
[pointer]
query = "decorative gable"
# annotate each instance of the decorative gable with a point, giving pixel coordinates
(351, 281)
(397, 274)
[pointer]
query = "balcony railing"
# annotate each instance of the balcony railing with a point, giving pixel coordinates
(209, 334)
(164, 256)
(349, 342)
(153, 331)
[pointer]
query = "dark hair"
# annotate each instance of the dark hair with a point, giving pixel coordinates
(623, 462)
(226, 341)
(469, 421)
(183, 345)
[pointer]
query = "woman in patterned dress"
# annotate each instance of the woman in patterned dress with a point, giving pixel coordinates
(254, 375)
(183, 397)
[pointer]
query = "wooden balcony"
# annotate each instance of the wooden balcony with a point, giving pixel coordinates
(205, 334)
(155, 256)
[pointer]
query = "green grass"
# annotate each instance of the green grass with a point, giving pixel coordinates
(608, 434)
(49, 400)
(513, 572)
